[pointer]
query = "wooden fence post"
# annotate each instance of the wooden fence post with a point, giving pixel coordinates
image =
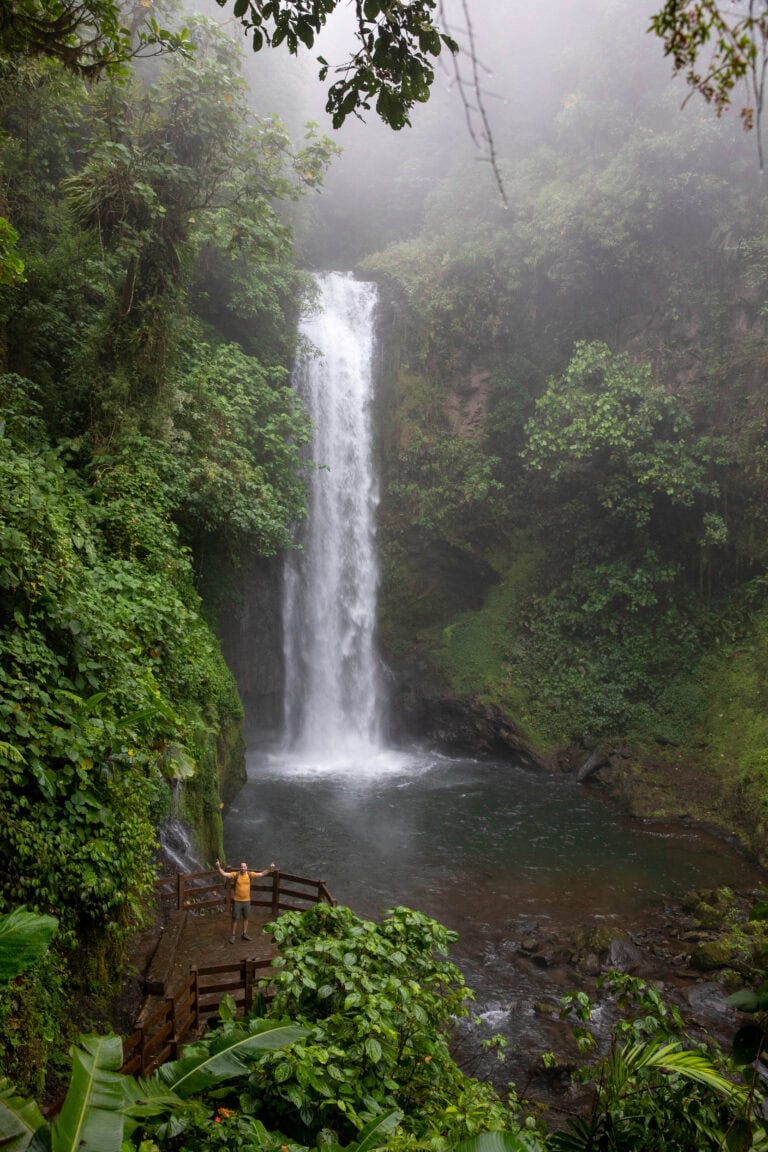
(275, 892)
(170, 1012)
(195, 996)
(179, 890)
(248, 998)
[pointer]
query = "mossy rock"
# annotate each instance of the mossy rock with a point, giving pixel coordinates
(710, 907)
(597, 939)
(711, 955)
(550, 1008)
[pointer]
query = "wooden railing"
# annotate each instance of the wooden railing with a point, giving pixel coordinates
(159, 1035)
(240, 981)
(191, 1007)
(279, 892)
(187, 1011)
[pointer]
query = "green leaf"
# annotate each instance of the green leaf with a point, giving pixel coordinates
(740, 1137)
(24, 938)
(91, 1119)
(495, 1142)
(747, 1001)
(748, 1044)
(224, 1059)
(306, 32)
(19, 1119)
(690, 1065)
(375, 1132)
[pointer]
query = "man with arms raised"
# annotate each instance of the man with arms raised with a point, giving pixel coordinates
(241, 903)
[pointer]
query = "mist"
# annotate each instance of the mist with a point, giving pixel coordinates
(525, 80)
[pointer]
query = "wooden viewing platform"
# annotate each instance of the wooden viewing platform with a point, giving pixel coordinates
(195, 965)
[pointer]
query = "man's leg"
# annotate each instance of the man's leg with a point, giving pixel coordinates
(245, 927)
(234, 925)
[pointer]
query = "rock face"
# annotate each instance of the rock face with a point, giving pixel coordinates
(251, 635)
(461, 725)
(467, 404)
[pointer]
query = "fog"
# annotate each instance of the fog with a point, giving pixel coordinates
(553, 76)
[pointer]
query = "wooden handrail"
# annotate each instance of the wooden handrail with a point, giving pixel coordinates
(158, 1038)
(198, 890)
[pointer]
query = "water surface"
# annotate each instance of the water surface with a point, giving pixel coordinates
(468, 842)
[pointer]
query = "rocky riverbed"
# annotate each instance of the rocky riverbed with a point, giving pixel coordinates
(695, 952)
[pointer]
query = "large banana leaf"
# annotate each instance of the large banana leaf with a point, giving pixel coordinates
(90, 1119)
(19, 1119)
(501, 1142)
(152, 1102)
(690, 1065)
(24, 937)
(376, 1131)
(224, 1059)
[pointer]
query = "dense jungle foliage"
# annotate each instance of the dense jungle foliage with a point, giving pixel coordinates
(147, 318)
(352, 1054)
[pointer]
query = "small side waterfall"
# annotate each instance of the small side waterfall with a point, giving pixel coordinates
(333, 692)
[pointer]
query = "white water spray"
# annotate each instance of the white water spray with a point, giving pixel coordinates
(333, 692)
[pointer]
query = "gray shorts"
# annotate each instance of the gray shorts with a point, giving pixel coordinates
(241, 909)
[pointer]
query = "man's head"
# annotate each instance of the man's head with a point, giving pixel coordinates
(243, 866)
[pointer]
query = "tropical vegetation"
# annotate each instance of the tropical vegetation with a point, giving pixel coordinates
(364, 1063)
(147, 320)
(572, 527)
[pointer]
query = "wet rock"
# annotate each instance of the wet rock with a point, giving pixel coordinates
(549, 1008)
(708, 999)
(597, 759)
(710, 955)
(523, 927)
(590, 964)
(557, 955)
(624, 955)
(457, 723)
(710, 907)
(551, 1078)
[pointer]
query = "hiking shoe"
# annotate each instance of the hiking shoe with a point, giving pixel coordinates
(231, 939)
(244, 937)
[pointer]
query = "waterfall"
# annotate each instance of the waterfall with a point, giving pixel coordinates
(333, 692)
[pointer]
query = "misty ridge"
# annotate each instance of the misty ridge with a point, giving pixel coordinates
(556, 84)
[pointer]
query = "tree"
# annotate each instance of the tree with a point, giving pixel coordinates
(607, 423)
(391, 63)
(737, 35)
(90, 37)
(395, 44)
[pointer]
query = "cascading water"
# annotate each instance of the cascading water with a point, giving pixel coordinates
(333, 690)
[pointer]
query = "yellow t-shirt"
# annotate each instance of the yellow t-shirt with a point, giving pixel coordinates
(243, 884)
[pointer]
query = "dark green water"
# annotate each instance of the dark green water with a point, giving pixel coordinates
(470, 843)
